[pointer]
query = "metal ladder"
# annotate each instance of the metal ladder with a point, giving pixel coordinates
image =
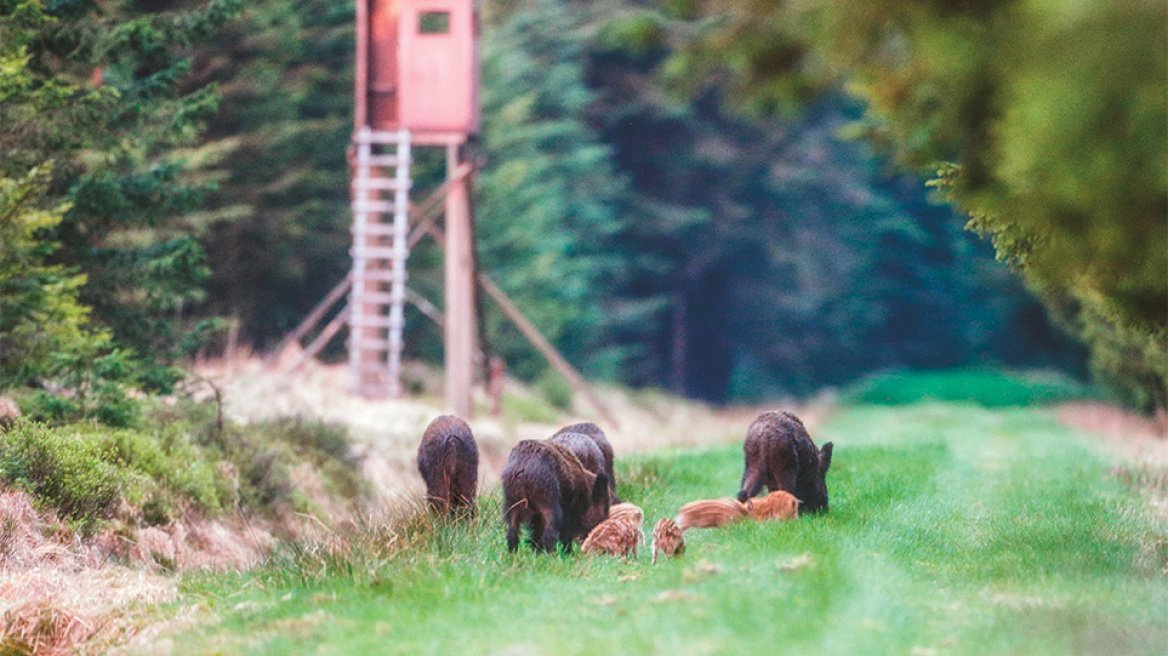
(381, 188)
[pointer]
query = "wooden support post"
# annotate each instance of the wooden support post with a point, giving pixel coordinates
(460, 284)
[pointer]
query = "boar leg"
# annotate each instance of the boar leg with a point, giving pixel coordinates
(550, 531)
(752, 482)
(513, 523)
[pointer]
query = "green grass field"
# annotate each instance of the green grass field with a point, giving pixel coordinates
(954, 529)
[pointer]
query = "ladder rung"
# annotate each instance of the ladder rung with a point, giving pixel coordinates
(378, 368)
(370, 322)
(372, 206)
(378, 229)
(379, 274)
(381, 160)
(382, 298)
(383, 136)
(377, 252)
(378, 184)
(368, 344)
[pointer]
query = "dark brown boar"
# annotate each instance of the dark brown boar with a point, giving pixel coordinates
(780, 455)
(546, 488)
(593, 431)
(448, 460)
(584, 448)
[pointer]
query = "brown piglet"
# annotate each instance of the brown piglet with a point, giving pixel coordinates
(667, 539)
(776, 505)
(710, 513)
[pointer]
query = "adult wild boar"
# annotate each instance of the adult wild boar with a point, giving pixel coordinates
(780, 455)
(597, 435)
(546, 488)
(584, 448)
(448, 460)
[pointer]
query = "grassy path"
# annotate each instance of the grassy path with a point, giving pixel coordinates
(953, 530)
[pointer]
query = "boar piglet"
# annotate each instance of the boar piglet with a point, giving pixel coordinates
(667, 539)
(710, 513)
(614, 537)
(776, 505)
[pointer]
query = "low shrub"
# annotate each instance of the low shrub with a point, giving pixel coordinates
(989, 388)
(175, 459)
(72, 472)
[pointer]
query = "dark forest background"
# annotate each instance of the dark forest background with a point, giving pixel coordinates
(677, 199)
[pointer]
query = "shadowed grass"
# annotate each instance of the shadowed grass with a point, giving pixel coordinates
(953, 529)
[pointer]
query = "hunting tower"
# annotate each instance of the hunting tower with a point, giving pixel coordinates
(416, 85)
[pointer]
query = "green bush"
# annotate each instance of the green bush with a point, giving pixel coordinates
(556, 389)
(986, 387)
(176, 472)
(267, 451)
(72, 472)
(171, 461)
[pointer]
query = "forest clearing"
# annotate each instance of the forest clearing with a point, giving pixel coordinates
(954, 529)
(583, 326)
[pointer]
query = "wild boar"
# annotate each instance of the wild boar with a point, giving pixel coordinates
(776, 505)
(546, 488)
(667, 539)
(584, 448)
(710, 513)
(614, 537)
(448, 460)
(780, 455)
(593, 431)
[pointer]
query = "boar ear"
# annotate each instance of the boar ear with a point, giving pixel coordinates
(600, 488)
(825, 458)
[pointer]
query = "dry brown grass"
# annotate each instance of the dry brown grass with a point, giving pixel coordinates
(1140, 442)
(57, 592)
(1141, 446)
(54, 609)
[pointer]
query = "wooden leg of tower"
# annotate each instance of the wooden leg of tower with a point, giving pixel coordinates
(460, 285)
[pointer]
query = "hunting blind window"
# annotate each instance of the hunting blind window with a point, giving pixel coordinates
(434, 22)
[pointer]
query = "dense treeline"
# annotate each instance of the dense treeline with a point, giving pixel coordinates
(1045, 122)
(659, 238)
(99, 253)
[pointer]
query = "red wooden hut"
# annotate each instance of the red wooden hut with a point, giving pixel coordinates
(417, 68)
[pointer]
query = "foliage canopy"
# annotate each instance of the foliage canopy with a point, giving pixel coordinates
(1045, 121)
